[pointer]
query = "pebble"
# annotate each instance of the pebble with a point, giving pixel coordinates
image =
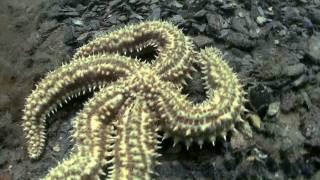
(215, 21)
(315, 96)
(295, 70)
(261, 20)
(288, 101)
(77, 22)
(273, 109)
(202, 40)
(56, 148)
(260, 98)
(315, 15)
(300, 81)
(313, 49)
(255, 120)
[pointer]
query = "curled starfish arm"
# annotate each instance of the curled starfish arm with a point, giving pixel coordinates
(213, 117)
(61, 85)
(93, 135)
(135, 149)
(174, 51)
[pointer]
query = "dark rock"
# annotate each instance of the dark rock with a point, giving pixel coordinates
(175, 4)
(288, 101)
(114, 3)
(314, 14)
(136, 16)
(303, 79)
(56, 12)
(215, 22)
(311, 126)
(260, 97)
(155, 13)
(237, 39)
(94, 24)
(73, 3)
(291, 14)
(307, 24)
(295, 70)
(83, 38)
(48, 26)
(28, 63)
(229, 6)
(122, 18)
(177, 20)
(4, 158)
(32, 42)
(313, 49)
(200, 13)
(202, 41)
(239, 24)
(21, 21)
(314, 95)
(238, 142)
(305, 99)
(172, 170)
(200, 28)
(69, 36)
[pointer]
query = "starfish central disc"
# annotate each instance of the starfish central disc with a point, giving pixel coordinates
(146, 80)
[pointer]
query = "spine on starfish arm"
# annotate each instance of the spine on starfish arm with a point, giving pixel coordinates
(174, 51)
(61, 85)
(213, 117)
(135, 149)
(94, 136)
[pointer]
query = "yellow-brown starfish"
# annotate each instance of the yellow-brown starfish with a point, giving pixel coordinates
(118, 125)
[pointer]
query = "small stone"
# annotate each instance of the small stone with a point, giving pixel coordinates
(315, 15)
(300, 81)
(255, 120)
(202, 40)
(238, 141)
(4, 157)
(273, 109)
(155, 14)
(306, 98)
(175, 4)
(246, 129)
(260, 98)
(28, 63)
(177, 19)
(56, 148)
(313, 49)
(261, 20)
(198, 27)
(215, 21)
(315, 96)
(77, 22)
(288, 101)
(69, 36)
(295, 70)
(200, 13)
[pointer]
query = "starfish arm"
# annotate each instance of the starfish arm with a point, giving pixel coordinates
(213, 117)
(93, 135)
(64, 83)
(174, 54)
(135, 149)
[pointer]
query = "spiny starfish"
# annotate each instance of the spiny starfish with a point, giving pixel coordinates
(118, 127)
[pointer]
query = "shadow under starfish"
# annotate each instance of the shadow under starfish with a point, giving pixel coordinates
(118, 127)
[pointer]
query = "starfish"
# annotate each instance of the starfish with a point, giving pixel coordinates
(133, 101)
